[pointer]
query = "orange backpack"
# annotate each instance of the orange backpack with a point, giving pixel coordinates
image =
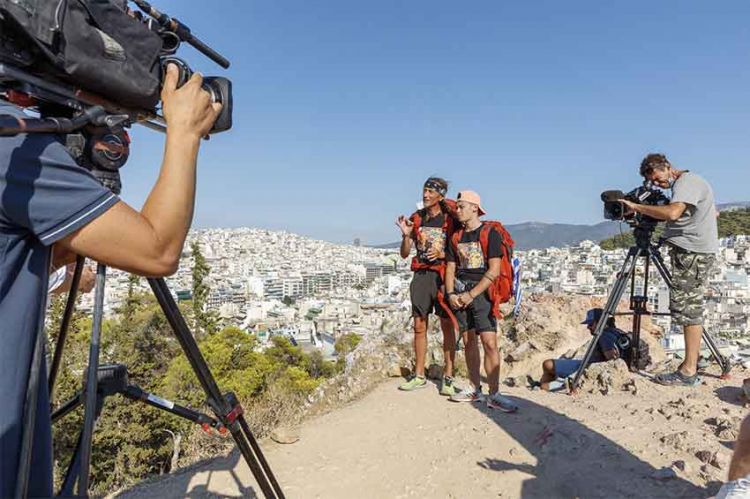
(501, 290)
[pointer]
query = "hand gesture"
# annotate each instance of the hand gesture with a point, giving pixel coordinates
(405, 225)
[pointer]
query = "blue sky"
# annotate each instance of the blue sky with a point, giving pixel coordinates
(343, 108)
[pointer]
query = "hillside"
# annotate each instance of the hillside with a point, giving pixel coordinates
(620, 436)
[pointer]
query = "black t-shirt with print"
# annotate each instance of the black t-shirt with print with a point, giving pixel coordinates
(431, 235)
(470, 261)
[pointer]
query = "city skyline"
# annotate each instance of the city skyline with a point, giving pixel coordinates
(342, 110)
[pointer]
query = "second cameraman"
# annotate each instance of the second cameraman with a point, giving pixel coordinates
(692, 236)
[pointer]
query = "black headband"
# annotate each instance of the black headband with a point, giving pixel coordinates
(431, 184)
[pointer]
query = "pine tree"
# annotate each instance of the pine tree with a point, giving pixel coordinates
(204, 321)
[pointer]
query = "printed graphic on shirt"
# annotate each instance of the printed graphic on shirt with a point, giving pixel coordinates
(430, 238)
(470, 256)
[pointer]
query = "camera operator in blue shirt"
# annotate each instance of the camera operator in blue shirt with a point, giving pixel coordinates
(51, 209)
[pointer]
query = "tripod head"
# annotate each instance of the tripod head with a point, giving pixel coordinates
(643, 233)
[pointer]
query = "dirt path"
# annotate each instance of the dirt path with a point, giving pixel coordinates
(396, 444)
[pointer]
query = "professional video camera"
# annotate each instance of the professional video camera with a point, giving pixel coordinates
(644, 194)
(95, 67)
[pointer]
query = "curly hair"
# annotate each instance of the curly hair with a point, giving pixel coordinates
(654, 161)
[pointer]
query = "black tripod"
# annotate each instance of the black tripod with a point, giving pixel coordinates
(647, 251)
(226, 407)
(112, 380)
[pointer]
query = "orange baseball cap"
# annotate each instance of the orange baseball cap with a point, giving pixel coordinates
(471, 197)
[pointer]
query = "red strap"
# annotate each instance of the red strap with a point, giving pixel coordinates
(484, 242)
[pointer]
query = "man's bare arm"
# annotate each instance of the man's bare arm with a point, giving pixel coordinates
(487, 279)
(611, 354)
(150, 242)
(670, 212)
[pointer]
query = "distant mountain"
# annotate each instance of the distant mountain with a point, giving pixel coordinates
(533, 235)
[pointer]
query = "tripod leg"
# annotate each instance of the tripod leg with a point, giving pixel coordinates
(30, 409)
(628, 267)
(91, 382)
(64, 325)
(74, 467)
(229, 414)
(723, 362)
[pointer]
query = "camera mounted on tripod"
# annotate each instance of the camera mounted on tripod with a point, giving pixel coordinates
(643, 194)
(70, 59)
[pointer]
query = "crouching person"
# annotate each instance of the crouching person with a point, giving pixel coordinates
(611, 345)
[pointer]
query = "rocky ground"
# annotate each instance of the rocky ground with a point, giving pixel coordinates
(621, 435)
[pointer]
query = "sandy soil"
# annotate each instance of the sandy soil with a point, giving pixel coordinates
(396, 444)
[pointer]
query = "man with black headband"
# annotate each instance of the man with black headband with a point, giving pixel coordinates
(429, 228)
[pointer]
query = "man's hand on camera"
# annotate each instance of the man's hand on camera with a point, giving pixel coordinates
(630, 207)
(188, 110)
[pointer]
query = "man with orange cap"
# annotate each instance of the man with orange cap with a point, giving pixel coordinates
(468, 276)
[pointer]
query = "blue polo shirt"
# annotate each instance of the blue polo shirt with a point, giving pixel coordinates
(44, 196)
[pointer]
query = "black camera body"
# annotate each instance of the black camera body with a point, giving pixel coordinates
(70, 55)
(644, 194)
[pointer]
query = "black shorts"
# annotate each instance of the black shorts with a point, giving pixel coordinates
(424, 291)
(477, 316)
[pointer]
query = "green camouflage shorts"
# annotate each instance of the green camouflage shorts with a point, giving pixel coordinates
(690, 272)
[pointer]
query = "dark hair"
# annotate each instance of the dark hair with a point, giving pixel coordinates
(611, 321)
(653, 161)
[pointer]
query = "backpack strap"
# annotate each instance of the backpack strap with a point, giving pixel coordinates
(455, 238)
(484, 242)
(416, 220)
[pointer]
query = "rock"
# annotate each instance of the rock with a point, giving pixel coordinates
(680, 465)
(285, 435)
(522, 380)
(746, 388)
(395, 370)
(705, 456)
(631, 386)
(434, 371)
(521, 352)
(679, 441)
(664, 474)
(605, 377)
(719, 461)
(725, 427)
